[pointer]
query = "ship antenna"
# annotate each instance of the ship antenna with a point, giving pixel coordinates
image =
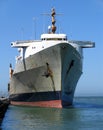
(53, 13)
(34, 24)
(52, 29)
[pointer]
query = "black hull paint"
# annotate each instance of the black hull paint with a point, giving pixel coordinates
(38, 96)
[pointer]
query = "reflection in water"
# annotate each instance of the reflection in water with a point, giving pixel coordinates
(39, 118)
(81, 116)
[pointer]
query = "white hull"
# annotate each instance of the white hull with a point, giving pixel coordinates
(64, 64)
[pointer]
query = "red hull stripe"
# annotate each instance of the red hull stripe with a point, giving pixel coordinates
(53, 103)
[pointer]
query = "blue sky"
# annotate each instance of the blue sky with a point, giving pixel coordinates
(80, 20)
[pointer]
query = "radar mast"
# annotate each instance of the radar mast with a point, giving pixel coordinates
(53, 27)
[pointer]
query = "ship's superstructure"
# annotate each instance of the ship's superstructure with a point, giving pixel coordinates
(47, 70)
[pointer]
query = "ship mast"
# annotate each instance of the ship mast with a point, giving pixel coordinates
(53, 28)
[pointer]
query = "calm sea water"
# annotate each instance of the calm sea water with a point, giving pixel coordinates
(86, 114)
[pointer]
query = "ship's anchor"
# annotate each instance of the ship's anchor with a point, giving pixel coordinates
(48, 72)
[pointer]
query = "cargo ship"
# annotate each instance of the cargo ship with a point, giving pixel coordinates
(47, 70)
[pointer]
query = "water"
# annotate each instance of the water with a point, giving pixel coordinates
(86, 114)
